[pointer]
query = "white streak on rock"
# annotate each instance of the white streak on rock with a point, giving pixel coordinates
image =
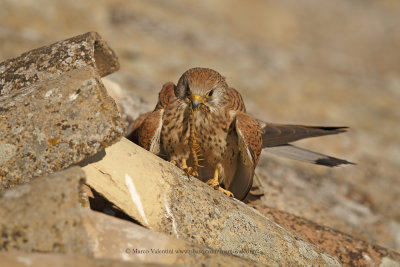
(135, 197)
(73, 96)
(167, 208)
(25, 260)
(48, 93)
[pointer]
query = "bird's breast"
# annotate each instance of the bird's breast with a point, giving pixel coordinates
(175, 130)
(211, 132)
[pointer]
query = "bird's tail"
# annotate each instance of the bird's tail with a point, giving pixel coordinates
(301, 154)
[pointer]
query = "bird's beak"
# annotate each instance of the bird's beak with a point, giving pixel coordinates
(196, 100)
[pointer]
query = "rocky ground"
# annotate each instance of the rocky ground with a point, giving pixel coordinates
(298, 62)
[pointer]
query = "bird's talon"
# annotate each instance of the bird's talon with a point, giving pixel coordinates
(187, 170)
(190, 171)
(214, 184)
(193, 172)
(226, 192)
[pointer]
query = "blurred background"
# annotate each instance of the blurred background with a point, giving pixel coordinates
(294, 61)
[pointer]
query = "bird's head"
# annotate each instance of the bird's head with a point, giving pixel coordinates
(202, 88)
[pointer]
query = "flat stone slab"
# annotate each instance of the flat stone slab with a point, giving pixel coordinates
(116, 239)
(161, 197)
(53, 124)
(21, 259)
(44, 215)
(50, 61)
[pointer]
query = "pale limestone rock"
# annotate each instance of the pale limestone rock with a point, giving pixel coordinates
(22, 259)
(163, 198)
(116, 239)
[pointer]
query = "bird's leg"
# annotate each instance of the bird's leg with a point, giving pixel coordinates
(183, 166)
(188, 170)
(214, 183)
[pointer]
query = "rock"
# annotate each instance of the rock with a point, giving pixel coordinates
(98, 203)
(44, 215)
(117, 239)
(50, 61)
(20, 259)
(339, 203)
(130, 105)
(164, 199)
(349, 250)
(293, 62)
(53, 124)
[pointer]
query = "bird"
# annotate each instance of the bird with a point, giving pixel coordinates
(201, 126)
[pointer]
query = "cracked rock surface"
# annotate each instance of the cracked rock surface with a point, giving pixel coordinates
(162, 198)
(30, 217)
(294, 62)
(48, 122)
(48, 62)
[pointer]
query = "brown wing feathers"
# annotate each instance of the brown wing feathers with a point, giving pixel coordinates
(149, 129)
(166, 95)
(147, 125)
(234, 100)
(251, 133)
(133, 133)
(280, 134)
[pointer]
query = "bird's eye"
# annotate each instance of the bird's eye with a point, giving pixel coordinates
(209, 94)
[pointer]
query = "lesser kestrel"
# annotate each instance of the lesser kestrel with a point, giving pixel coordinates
(201, 125)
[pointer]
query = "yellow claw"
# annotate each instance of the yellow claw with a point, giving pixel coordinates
(191, 171)
(226, 192)
(214, 183)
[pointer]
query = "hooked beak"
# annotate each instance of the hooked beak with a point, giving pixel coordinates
(196, 101)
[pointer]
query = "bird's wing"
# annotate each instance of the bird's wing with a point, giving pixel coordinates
(250, 144)
(281, 134)
(146, 129)
(277, 136)
(147, 134)
(134, 126)
(166, 95)
(297, 153)
(234, 101)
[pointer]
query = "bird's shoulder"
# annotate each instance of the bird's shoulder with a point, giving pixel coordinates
(166, 96)
(249, 130)
(234, 100)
